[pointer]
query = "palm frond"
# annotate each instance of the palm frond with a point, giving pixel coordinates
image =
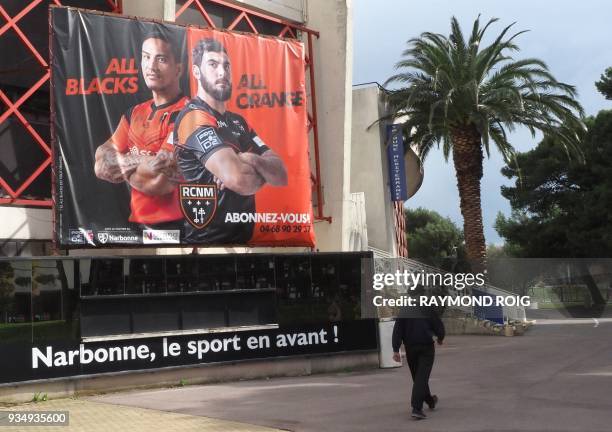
(450, 82)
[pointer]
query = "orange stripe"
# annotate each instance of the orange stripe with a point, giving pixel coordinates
(192, 121)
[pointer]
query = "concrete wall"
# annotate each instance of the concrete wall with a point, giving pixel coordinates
(19, 223)
(158, 9)
(293, 10)
(333, 53)
(144, 8)
(200, 374)
(370, 168)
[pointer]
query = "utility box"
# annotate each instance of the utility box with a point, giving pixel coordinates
(385, 333)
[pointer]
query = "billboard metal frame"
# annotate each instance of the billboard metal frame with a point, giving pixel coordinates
(16, 197)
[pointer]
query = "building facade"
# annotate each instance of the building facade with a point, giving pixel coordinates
(111, 301)
(25, 151)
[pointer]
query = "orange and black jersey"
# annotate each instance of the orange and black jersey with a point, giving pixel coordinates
(199, 132)
(144, 130)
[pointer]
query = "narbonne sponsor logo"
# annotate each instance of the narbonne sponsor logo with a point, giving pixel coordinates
(161, 236)
(198, 203)
(115, 237)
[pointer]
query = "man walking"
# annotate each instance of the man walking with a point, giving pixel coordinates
(417, 336)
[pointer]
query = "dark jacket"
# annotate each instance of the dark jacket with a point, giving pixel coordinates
(417, 331)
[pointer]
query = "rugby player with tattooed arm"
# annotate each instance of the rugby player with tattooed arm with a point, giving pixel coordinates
(138, 152)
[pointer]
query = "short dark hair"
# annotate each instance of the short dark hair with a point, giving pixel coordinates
(159, 33)
(205, 45)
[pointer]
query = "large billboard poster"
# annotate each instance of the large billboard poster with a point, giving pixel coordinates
(171, 135)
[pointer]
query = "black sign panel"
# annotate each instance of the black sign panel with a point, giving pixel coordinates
(22, 361)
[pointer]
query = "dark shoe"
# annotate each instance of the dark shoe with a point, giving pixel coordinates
(432, 404)
(418, 414)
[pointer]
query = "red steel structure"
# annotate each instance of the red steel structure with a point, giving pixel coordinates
(289, 29)
(15, 195)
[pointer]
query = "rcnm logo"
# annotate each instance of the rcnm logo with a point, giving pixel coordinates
(207, 191)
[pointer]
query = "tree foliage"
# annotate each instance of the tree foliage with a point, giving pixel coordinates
(433, 239)
(561, 208)
(604, 85)
(7, 289)
(467, 95)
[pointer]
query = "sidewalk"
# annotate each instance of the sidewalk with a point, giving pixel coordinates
(90, 416)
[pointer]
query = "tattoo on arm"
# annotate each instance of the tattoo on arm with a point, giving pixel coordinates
(155, 175)
(128, 163)
(107, 165)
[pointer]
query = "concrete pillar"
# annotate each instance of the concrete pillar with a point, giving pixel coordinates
(157, 9)
(333, 54)
(370, 167)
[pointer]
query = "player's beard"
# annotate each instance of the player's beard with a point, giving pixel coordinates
(222, 95)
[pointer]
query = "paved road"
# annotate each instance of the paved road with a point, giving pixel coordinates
(555, 378)
(571, 312)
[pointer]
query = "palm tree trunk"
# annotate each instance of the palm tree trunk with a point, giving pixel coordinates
(467, 157)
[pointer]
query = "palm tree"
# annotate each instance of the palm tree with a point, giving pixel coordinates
(465, 95)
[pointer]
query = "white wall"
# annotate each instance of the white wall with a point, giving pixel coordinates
(147, 8)
(333, 77)
(369, 167)
(19, 223)
(293, 10)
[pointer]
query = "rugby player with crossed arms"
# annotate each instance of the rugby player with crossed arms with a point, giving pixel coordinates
(138, 152)
(214, 146)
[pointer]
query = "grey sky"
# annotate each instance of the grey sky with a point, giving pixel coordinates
(572, 37)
